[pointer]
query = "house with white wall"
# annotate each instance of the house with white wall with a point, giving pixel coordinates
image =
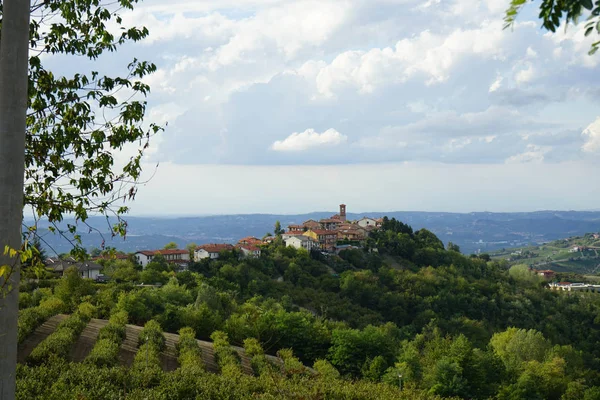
(175, 256)
(301, 241)
(210, 251)
(366, 222)
(249, 250)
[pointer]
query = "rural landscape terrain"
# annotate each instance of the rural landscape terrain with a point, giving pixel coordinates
(473, 232)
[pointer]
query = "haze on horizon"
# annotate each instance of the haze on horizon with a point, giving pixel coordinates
(380, 104)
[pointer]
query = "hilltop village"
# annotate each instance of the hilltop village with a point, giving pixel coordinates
(329, 236)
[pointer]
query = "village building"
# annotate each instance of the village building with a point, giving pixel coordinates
(351, 232)
(268, 239)
(250, 240)
(547, 273)
(298, 229)
(249, 250)
(87, 269)
(210, 251)
(175, 256)
(367, 222)
(301, 241)
(311, 224)
(327, 239)
(288, 234)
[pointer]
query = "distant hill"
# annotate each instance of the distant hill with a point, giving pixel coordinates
(473, 232)
(578, 254)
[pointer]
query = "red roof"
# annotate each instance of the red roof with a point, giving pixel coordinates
(250, 240)
(214, 247)
(172, 251)
(248, 247)
(163, 252)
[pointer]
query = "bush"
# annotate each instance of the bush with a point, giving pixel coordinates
(326, 370)
(190, 354)
(224, 354)
(146, 370)
(112, 332)
(61, 340)
(104, 354)
(75, 322)
(258, 360)
(87, 311)
(31, 318)
(152, 333)
(57, 344)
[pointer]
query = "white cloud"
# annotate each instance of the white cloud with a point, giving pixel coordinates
(592, 137)
(496, 84)
(525, 75)
(309, 139)
(533, 154)
(428, 54)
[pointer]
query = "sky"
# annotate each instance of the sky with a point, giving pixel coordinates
(291, 106)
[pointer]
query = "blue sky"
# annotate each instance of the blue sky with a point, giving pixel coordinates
(298, 105)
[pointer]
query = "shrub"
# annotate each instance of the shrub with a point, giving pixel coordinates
(146, 370)
(326, 370)
(190, 354)
(224, 354)
(258, 361)
(112, 332)
(104, 354)
(119, 318)
(106, 349)
(253, 347)
(87, 311)
(25, 300)
(60, 341)
(152, 333)
(57, 344)
(31, 318)
(76, 323)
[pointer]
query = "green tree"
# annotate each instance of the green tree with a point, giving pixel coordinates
(73, 126)
(278, 230)
(453, 247)
(170, 246)
(517, 346)
(553, 12)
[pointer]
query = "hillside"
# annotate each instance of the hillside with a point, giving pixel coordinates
(473, 232)
(89, 336)
(409, 313)
(577, 254)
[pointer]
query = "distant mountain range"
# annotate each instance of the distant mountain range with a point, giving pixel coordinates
(473, 232)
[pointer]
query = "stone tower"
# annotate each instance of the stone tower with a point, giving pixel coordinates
(343, 212)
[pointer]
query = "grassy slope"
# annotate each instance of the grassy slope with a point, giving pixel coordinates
(556, 256)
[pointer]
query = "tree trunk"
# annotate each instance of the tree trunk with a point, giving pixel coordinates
(13, 108)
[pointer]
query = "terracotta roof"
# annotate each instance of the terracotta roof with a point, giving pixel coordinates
(173, 251)
(250, 240)
(162, 252)
(214, 247)
(248, 247)
(329, 220)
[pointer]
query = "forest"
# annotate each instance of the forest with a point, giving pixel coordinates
(404, 317)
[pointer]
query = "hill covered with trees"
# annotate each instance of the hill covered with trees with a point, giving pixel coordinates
(402, 311)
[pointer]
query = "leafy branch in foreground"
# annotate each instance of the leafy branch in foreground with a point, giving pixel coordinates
(76, 123)
(552, 12)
